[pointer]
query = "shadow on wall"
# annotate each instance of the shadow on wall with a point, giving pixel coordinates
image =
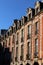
(5, 56)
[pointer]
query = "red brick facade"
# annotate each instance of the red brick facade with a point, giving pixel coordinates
(27, 31)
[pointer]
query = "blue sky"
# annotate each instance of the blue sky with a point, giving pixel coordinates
(13, 9)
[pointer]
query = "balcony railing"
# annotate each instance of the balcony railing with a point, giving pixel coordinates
(21, 58)
(28, 36)
(22, 39)
(36, 54)
(28, 57)
(16, 59)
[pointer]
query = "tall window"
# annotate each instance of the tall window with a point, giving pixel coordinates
(36, 27)
(3, 44)
(21, 50)
(18, 25)
(12, 54)
(10, 32)
(36, 46)
(13, 39)
(22, 22)
(12, 29)
(37, 9)
(28, 51)
(29, 16)
(9, 40)
(22, 35)
(16, 51)
(17, 38)
(6, 43)
(16, 58)
(28, 48)
(21, 57)
(29, 31)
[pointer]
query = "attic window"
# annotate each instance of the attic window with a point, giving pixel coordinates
(37, 10)
(18, 25)
(14, 29)
(8, 33)
(29, 16)
(22, 22)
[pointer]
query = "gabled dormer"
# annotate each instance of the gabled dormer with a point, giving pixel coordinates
(30, 13)
(14, 28)
(38, 7)
(10, 30)
(7, 34)
(17, 24)
(23, 20)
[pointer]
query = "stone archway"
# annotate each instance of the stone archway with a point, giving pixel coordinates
(27, 64)
(36, 63)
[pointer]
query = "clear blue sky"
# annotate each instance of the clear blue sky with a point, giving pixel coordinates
(12, 9)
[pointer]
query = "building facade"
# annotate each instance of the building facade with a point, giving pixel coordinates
(25, 38)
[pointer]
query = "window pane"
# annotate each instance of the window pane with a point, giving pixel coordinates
(36, 25)
(21, 50)
(28, 48)
(17, 52)
(36, 45)
(13, 39)
(29, 29)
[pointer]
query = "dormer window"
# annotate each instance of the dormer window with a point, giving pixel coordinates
(25, 19)
(12, 29)
(17, 25)
(9, 40)
(13, 39)
(16, 22)
(22, 22)
(17, 38)
(37, 10)
(30, 13)
(8, 33)
(30, 16)
(37, 7)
